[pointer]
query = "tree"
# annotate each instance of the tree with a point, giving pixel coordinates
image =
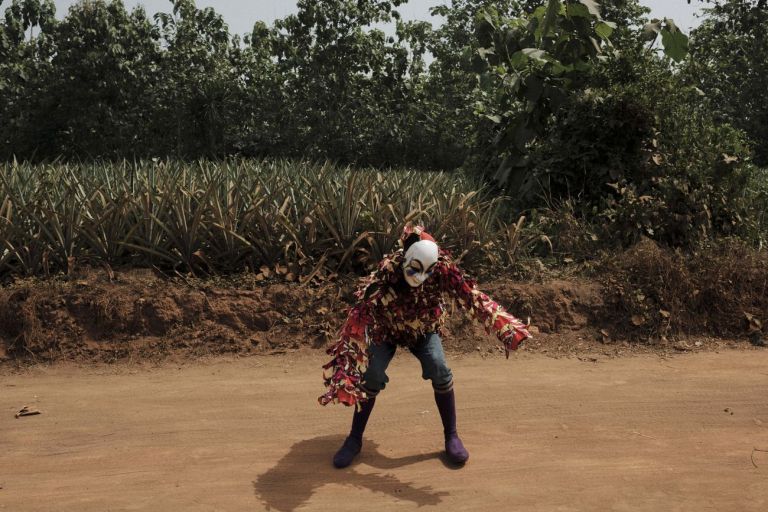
(730, 65)
(344, 80)
(25, 68)
(529, 65)
(197, 82)
(449, 90)
(255, 126)
(103, 71)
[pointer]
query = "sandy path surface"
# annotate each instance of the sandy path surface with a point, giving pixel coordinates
(638, 433)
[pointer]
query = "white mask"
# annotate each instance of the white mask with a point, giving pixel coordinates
(420, 259)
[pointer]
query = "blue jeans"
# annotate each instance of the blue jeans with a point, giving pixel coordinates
(429, 351)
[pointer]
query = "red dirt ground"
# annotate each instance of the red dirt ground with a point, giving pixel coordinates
(578, 419)
(638, 433)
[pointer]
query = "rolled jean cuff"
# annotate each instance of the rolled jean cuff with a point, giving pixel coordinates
(370, 392)
(443, 388)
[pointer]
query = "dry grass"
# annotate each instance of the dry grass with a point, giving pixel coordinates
(721, 289)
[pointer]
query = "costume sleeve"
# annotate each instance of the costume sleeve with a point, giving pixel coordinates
(481, 307)
(343, 374)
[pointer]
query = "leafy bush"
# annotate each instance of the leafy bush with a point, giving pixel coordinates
(650, 161)
(729, 63)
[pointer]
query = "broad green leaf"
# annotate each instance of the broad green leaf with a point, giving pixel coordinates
(604, 30)
(593, 7)
(671, 25)
(558, 68)
(518, 59)
(579, 10)
(540, 13)
(536, 54)
(553, 7)
(675, 43)
(484, 52)
(487, 18)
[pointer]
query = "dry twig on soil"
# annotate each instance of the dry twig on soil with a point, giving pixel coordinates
(26, 411)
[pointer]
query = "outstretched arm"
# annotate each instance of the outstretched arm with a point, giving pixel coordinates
(510, 331)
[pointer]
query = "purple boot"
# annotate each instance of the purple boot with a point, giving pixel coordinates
(354, 440)
(446, 404)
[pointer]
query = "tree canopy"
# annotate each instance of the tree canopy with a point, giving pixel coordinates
(550, 99)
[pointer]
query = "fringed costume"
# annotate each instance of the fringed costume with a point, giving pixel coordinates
(403, 304)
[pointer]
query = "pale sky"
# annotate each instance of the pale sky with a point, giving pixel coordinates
(240, 15)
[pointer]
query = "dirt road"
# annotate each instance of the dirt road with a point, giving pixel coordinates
(639, 433)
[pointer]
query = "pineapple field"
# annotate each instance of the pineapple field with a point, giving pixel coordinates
(145, 259)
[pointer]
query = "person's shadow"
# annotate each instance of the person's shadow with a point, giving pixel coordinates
(307, 467)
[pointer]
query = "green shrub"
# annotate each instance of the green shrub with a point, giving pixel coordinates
(648, 160)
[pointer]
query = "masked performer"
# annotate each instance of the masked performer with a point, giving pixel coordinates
(402, 304)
